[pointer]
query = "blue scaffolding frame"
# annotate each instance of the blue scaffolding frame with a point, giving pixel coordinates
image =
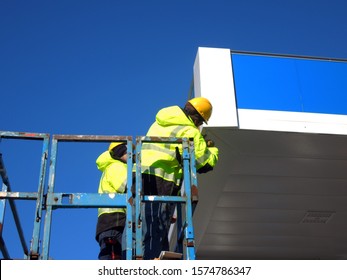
(185, 243)
(12, 196)
(47, 200)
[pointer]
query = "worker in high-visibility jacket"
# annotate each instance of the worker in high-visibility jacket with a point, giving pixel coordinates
(111, 221)
(162, 170)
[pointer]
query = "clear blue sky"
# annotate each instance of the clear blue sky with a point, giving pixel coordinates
(105, 68)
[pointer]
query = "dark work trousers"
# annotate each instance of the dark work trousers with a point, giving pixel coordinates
(155, 228)
(157, 216)
(110, 242)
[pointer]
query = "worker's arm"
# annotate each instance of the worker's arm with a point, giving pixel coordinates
(206, 154)
(211, 162)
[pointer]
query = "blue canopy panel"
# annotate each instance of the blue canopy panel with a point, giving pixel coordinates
(290, 84)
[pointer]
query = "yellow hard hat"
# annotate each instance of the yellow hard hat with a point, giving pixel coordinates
(203, 106)
(114, 144)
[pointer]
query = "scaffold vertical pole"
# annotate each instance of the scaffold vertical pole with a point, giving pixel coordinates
(34, 248)
(188, 166)
(49, 208)
(129, 219)
(138, 198)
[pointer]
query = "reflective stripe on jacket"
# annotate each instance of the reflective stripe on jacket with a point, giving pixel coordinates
(160, 159)
(113, 179)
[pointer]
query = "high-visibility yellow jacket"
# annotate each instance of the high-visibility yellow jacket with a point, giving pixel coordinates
(160, 159)
(113, 179)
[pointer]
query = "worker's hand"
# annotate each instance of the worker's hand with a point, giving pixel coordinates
(209, 143)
